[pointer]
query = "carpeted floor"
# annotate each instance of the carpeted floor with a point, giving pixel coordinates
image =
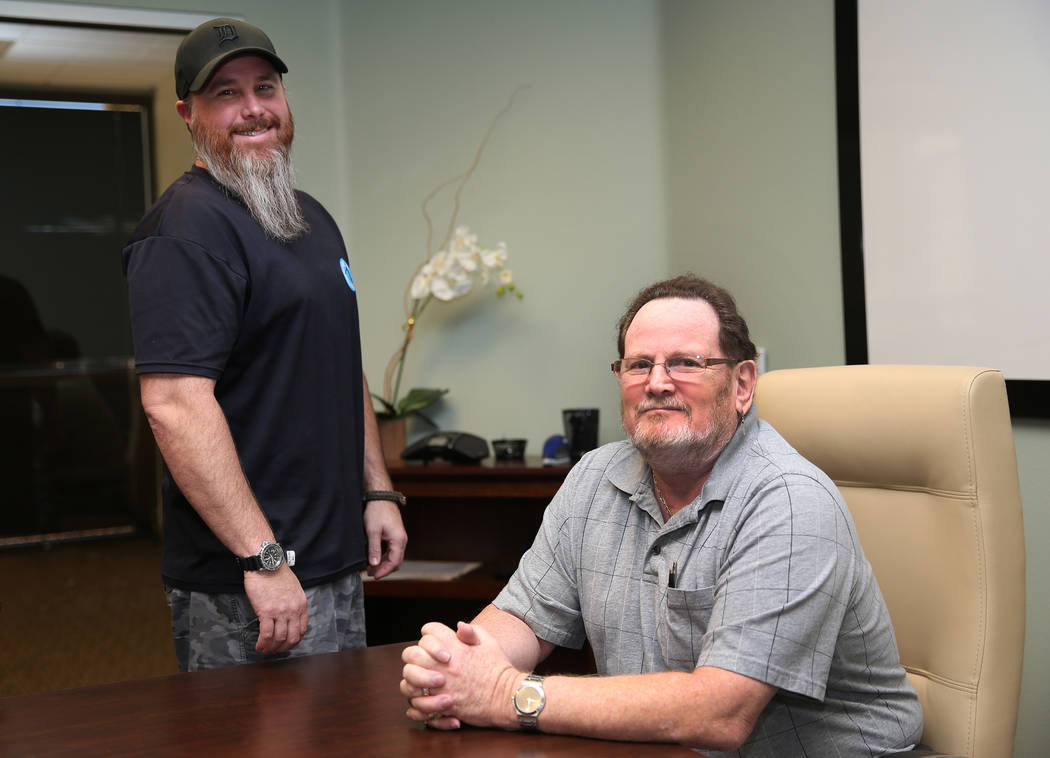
(82, 613)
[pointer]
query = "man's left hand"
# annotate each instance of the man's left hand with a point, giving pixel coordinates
(386, 537)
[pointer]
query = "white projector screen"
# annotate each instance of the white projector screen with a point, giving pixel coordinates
(954, 154)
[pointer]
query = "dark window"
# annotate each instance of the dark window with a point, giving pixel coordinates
(76, 179)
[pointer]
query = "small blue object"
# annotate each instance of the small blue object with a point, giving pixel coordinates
(555, 451)
(347, 275)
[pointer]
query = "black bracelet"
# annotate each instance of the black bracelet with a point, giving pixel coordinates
(394, 497)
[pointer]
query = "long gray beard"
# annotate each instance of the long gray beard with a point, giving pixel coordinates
(264, 181)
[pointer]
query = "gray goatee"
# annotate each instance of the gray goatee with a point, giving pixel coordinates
(684, 448)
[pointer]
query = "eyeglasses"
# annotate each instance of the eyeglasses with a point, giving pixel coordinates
(678, 367)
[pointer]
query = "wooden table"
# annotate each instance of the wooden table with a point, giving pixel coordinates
(344, 704)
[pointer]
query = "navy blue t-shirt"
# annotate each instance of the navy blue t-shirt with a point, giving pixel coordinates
(276, 325)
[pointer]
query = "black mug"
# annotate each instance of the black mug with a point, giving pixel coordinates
(581, 430)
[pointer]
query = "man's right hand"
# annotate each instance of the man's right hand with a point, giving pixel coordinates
(280, 604)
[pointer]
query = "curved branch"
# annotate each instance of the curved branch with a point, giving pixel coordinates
(465, 176)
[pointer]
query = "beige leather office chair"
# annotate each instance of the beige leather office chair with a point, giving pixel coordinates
(924, 456)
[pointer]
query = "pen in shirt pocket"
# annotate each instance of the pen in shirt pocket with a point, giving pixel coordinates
(672, 575)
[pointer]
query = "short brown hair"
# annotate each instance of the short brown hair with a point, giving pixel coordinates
(733, 337)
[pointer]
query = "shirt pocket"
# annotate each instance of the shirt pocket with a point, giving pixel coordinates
(681, 625)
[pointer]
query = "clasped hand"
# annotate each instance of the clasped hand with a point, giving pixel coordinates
(458, 677)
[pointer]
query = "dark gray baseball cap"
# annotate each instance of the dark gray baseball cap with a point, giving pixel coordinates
(213, 43)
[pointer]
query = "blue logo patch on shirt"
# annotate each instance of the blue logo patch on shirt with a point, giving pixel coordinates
(347, 275)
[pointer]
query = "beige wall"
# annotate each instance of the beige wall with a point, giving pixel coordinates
(172, 151)
(657, 136)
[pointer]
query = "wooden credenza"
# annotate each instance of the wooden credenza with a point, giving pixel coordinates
(488, 513)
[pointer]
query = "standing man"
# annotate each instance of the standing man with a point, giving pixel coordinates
(716, 573)
(245, 324)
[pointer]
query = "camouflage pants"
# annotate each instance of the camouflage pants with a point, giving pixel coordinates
(212, 630)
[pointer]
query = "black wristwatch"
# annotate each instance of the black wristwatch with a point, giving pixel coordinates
(269, 558)
(393, 497)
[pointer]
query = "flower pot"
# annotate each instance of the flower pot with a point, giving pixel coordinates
(392, 439)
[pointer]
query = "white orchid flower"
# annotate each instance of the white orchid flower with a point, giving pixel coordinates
(468, 260)
(450, 287)
(420, 285)
(442, 263)
(495, 258)
(450, 273)
(463, 239)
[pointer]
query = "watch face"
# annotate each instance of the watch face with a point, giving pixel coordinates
(528, 699)
(271, 555)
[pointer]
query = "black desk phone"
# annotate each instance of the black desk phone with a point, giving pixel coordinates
(455, 447)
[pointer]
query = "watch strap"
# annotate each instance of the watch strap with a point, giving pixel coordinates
(251, 563)
(391, 495)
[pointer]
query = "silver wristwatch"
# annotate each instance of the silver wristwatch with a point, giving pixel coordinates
(529, 700)
(269, 558)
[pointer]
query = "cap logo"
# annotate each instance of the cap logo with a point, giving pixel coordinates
(225, 33)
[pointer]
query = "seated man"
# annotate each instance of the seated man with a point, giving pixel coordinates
(716, 573)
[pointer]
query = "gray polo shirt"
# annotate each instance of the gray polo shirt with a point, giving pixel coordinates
(771, 583)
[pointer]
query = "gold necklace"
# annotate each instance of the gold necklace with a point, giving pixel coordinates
(660, 499)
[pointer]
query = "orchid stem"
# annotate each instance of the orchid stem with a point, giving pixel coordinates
(417, 309)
